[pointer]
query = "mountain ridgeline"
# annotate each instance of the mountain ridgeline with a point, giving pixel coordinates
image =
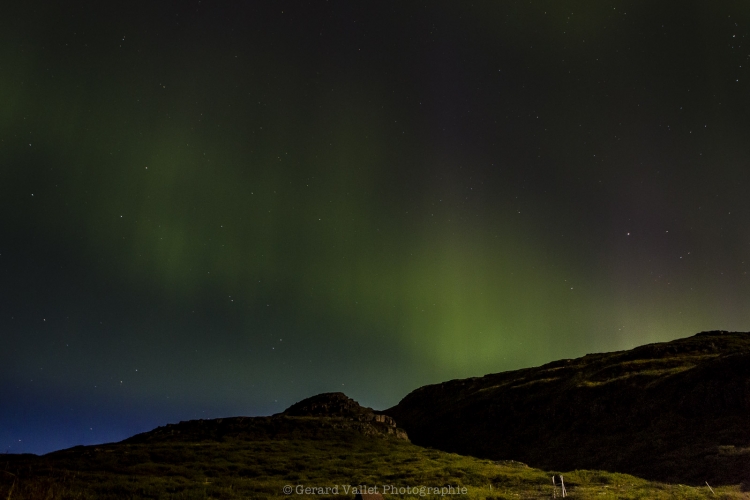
(325, 416)
(676, 412)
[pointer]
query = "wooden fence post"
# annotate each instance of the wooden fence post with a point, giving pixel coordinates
(554, 488)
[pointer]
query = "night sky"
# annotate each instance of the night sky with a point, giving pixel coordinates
(215, 209)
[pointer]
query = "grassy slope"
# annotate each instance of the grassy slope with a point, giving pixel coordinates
(673, 412)
(238, 468)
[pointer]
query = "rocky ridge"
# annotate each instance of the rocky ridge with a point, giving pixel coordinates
(317, 417)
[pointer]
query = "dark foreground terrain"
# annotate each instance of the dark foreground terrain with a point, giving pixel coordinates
(675, 412)
(241, 458)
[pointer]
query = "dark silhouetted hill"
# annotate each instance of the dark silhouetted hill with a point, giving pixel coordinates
(676, 412)
(325, 416)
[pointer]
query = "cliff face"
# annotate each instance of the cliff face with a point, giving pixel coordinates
(676, 412)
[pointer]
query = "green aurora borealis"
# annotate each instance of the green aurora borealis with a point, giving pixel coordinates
(251, 204)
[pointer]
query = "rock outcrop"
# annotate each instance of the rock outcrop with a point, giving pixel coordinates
(325, 416)
(339, 405)
(676, 412)
(329, 404)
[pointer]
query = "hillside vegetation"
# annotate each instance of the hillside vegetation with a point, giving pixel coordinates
(672, 410)
(676, 412)
(229, 467)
